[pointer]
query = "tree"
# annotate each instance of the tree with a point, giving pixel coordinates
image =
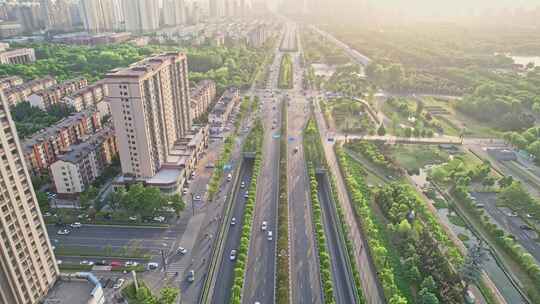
(472, 266)
(514, 195)
(419, 107)
(505, 181)
(381, 131)
(43, 201)
(427, 297)
(168, 295)
(429, 284)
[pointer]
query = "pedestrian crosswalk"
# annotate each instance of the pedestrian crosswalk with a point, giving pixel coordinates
(176, 270)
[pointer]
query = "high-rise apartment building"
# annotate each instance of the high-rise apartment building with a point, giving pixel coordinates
(27, 265)
(174, 12)
(98, 15)
(56, 14)
(150, 109)
(141, 15)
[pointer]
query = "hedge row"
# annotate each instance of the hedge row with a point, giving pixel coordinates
(285, 80)
(282, 277)
(382, 257)
(324, 255)
(247, 222)
(523, 258)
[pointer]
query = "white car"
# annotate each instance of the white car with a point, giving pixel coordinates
(185, 191)
(63, 232)
(197, 198)
(191, 276)
(131, 264)
(132, 218)
(264, 226)
(182, 250)
(233, 221)
(152, 266)
(160, 219)
(76, 225)
(59, 262)
(246, 195)
(119, 284)
(242, 185)
(269, 236)
(85, 262)
(232, 257)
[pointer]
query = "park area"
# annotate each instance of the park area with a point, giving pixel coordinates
(348, 116)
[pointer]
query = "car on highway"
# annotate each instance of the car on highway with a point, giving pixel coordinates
(59, 262)
(63, 232)
(119, 283)
(229, 177)
(116, 264)
(232, 256)
(132, 218)
(295, 150)
(246, 195)
(152, 266)
(197, 198)
(181, 250)
(264, 226)
(512, 214)
(269, 236)
(233, 221)
(191, 276)
(131, 264)
(86, 262)
(76, 225)
(242, 185)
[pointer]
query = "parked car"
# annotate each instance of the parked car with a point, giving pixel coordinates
(63, 232)
(210, 166)
(76, 225)
(526, 227)
(181, 250)
(160, 219)
(191, 276)
(264, 226)
(229, 177)
(131, 264)
(116, 264)
(232, 256)
(119, 284)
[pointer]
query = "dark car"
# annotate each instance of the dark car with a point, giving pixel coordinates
(526, 227)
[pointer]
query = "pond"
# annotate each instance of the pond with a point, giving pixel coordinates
(497, 275)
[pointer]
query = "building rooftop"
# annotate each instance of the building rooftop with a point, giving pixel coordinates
(77, 153)
(77, 288)
(229, 95)
(144, 66)
(30, 84)
(53, 130)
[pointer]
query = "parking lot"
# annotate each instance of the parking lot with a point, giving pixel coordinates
(510, 222)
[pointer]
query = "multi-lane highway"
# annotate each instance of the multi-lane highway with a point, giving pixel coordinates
(225, 274)
(344, 288)
(259, 281)
(304, 268)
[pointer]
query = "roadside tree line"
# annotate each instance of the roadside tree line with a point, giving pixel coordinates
(285, 80)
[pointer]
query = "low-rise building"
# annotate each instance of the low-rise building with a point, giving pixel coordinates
(46, 98)
(10, 82)
(222, 109)
(82, 163)
(92, 39)
(10, 29)
(201, 97)
(76, 288)
(21, 92)
(17, 56)
(86, 97)
(44, 147)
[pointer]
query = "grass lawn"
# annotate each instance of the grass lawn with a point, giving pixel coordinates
(457, 120)
(414, 157)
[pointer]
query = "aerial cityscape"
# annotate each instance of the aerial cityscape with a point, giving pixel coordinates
(269, 151)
